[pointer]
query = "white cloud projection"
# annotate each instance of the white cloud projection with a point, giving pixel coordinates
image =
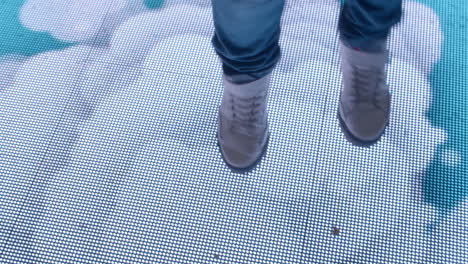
(120, 147)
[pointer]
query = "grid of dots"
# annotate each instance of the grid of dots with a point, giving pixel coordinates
(115, 168)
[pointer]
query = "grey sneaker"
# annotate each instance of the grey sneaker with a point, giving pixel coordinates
(243, 132)
(364, 107)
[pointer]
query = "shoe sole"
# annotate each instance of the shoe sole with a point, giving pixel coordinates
(352, 139)
(250, 167)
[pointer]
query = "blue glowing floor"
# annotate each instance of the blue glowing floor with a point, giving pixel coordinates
(108, 154)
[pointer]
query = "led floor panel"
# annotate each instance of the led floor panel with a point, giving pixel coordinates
(108, 150)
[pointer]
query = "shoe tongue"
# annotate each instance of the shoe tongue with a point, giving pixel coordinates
(368, 45)
(242, 78)
(368, 60)
(248, 90)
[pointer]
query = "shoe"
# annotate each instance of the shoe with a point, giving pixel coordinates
(243, 133)
(364, 107)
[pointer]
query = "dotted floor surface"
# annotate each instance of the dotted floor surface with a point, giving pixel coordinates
(108, 151)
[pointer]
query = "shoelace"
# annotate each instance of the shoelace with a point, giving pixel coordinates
(364, 84)
(246, 114)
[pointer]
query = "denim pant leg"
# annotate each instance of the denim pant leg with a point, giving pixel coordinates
(366, 24)
(246, 37)
(247, 32)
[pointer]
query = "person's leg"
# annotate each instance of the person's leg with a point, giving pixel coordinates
(364, 107)
(365, 24)
(246, 37)
(246, 40)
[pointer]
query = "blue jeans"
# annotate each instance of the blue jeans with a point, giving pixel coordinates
(247, 32)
